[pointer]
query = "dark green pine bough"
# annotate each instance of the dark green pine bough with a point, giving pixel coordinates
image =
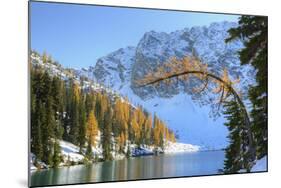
(253, 30)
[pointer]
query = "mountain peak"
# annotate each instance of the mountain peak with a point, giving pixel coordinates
(120, 69)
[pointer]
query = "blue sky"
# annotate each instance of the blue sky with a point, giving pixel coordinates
(77, 35)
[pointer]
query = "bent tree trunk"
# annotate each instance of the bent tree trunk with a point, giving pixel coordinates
(251, 148)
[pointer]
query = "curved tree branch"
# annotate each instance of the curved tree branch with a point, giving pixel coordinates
(252, 150)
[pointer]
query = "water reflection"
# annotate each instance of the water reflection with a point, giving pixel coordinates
(168, 165)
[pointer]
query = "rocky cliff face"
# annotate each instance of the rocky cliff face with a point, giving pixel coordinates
(127, 65)
(114, 70)
(208, 43)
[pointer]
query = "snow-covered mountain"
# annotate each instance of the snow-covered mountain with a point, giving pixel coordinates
(173, 104)
(208, 43)
(121, 68)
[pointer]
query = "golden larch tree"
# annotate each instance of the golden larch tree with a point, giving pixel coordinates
(92, 128)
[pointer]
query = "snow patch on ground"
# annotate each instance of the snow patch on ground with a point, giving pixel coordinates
(261, 165)
(70, 152)
(141, 151)
(180, 147)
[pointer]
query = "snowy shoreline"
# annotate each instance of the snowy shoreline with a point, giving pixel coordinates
(71, 155)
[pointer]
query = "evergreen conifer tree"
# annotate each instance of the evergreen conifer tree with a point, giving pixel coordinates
(36, 135)
(82, 124)
(74, 114)
(253, 30)
(89, 151)
(106, 135)
(56, 154)
(236, 152)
